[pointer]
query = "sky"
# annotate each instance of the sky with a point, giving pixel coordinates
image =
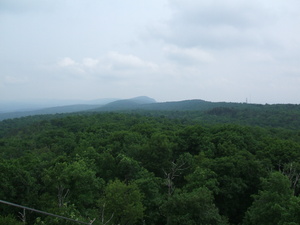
(169, 50)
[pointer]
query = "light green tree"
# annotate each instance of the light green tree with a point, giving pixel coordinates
(274, 204)
(121, 204)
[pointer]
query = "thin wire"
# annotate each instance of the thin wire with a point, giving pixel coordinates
(42, 212)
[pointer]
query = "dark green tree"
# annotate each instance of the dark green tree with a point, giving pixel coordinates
(192, 208)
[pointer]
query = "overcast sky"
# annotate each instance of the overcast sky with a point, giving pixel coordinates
(215, 50)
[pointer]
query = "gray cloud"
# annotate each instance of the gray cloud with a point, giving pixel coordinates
(221, 50)
(230, 23)
(189, 56)
(115, 64)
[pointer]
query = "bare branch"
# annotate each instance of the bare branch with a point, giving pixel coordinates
(23, 216)
(174, 172)
(102, 216)
(92, 221)
(112, 215)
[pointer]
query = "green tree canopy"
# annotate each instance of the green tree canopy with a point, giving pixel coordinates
(122, 203)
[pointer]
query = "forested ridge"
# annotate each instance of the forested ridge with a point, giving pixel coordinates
(225, 165)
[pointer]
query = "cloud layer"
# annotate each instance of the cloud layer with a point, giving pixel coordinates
(220, 50)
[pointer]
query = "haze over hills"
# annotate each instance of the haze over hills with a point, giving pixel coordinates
(31, 105)
(105, 105)
(199, 109)
(10, 110)
(124, 104)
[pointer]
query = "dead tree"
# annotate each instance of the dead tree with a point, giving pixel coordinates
(61, 195)
(102, 216)
(172, 173)
(292, 171)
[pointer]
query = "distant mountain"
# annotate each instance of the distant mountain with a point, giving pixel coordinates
(9, 110)
(32, 105)
(186, 105)
(6, 106)
(132, 104)
(127, 104)
(52, 110)
(195, 104)
(199, 110)
(143, 100)
(17, 110)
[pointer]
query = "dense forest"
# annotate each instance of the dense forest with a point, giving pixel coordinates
(225, 165)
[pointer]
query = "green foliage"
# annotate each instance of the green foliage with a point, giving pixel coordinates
(146, 168)
(150, 187)
(202, 177)
(73, 182)
(9, 220)
(275, 203)
(192, 208)
(122, 203)
(68, 211)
